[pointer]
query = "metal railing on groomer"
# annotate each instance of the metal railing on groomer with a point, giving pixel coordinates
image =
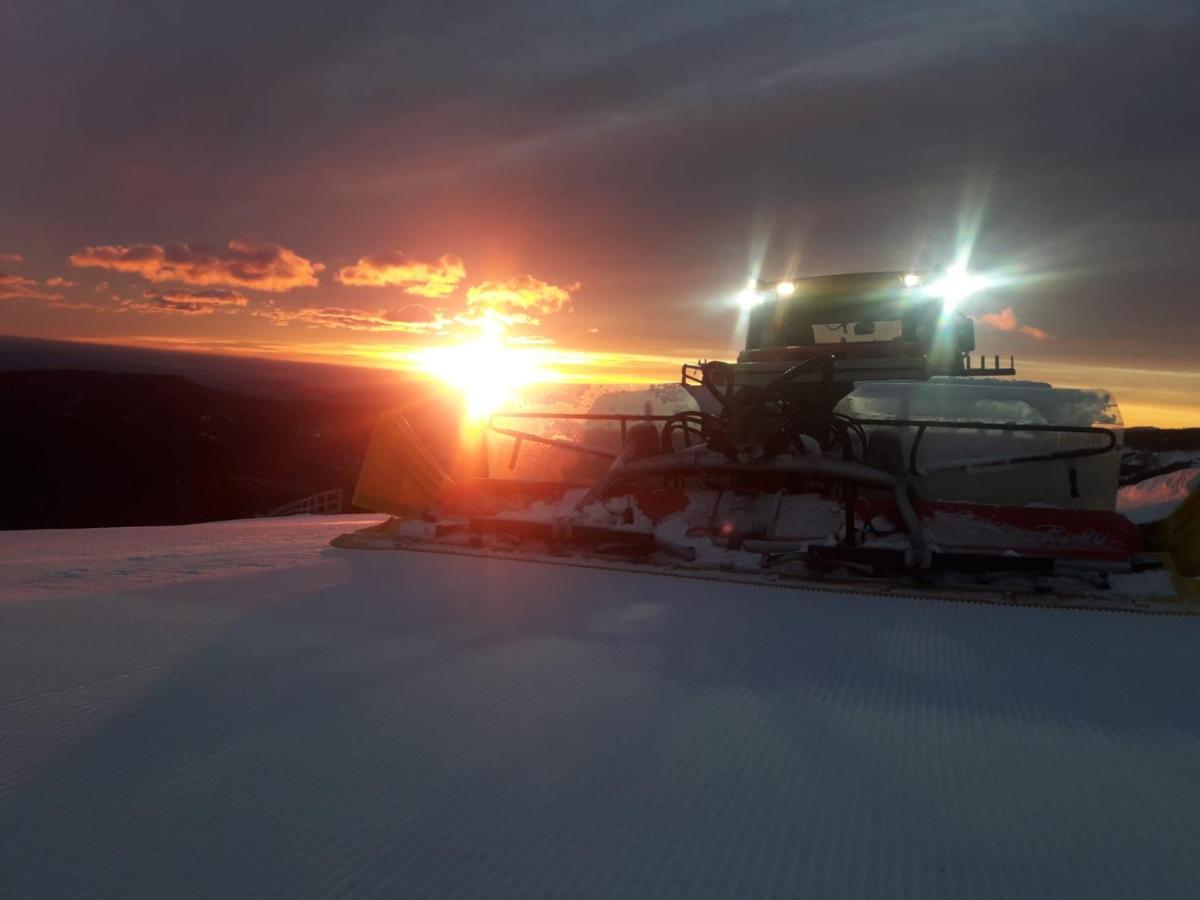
(922, 426)
(623, 419)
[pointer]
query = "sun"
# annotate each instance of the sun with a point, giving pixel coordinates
(485, 371)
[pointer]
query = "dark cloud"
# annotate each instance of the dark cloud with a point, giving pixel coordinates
(262, 266)
(187, 303)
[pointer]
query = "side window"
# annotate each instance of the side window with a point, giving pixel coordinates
(797, 329)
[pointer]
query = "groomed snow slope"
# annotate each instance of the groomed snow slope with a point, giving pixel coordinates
(238, 710)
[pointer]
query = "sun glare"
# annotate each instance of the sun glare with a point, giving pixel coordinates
(485, 371)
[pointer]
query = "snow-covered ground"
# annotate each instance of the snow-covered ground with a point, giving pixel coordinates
(1156, 498)
(237, 709)
(37, 564)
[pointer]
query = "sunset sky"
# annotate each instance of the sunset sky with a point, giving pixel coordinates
(356, 182)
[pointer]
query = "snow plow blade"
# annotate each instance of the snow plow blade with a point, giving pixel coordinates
(1177, 539)
(1179, 535)
(399, 475)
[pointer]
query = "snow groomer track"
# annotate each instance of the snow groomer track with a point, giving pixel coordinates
(1141, 593)
(237, 709)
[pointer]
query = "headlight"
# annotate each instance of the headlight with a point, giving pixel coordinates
(912, 279)
(748, 298)
(785, 289)
(957, 284)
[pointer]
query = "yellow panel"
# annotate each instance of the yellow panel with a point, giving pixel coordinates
(399, 475)
(1179, 535)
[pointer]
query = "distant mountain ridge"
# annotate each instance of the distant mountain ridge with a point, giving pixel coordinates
(243, 374)
(1163, 438)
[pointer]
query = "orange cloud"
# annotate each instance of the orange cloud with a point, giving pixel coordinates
(414, 319)
(61, 303)
(58, 281)
(522, 300)
(392, 268)
(186, 303)
(1006, 320)
(14, 287)
(1037, 333)
(11, 258)
(262, 266)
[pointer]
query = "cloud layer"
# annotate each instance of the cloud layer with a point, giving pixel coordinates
(414, 319)
(261, 266)
(16, 287)
(521, 300)
(187, 303)
(391, 268)
(1006, 320)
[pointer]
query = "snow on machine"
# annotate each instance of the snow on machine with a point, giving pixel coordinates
(857, 443)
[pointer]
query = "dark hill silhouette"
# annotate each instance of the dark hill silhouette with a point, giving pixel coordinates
(1159, 439)
(281, 379)
(85, 448)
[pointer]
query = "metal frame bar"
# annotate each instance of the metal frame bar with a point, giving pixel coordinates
(923, 425)
(520, 436)
(845, 473)
(833, 471)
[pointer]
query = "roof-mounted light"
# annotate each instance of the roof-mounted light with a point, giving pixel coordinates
(785, 289)
(749, 296)
(957, 284)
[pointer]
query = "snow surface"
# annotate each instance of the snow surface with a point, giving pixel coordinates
(238, 709)
(1143, 585)
(1156, 498)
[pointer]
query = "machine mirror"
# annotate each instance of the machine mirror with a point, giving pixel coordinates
(862, 328)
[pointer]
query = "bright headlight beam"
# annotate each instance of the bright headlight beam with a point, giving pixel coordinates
(748, 298)
(957, 284)
(912, 279)
(785, 289)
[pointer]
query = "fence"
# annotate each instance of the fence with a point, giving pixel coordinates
(325, 503)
